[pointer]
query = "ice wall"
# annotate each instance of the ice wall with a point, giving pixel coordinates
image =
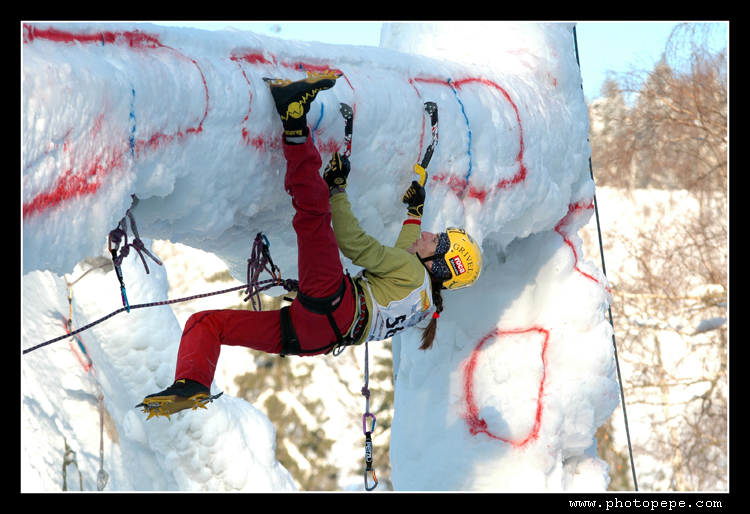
(182, 119)
(521, 375)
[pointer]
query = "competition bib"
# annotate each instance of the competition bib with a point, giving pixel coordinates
(401, 314)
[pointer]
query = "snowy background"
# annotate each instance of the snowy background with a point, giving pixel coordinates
(522, 373)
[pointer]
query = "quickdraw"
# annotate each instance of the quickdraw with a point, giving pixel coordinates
(368, 439)
(118, 271)
(121, 234)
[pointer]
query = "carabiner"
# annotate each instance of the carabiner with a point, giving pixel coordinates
(368, 461)
(364, 425)
(267, 254)
(367, 488)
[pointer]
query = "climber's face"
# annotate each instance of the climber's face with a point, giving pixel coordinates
(424, 246)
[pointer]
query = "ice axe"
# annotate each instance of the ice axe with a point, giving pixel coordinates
(421, 168)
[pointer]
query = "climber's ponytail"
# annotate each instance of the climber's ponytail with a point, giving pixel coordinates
(428, 334)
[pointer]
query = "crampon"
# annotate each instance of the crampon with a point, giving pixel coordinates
(166, 405)
(312, 77)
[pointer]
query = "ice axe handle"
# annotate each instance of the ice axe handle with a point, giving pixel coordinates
(419, 170)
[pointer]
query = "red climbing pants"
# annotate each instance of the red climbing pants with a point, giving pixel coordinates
(320, 275)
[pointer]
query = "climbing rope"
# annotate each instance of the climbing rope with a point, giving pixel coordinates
(254, 289)
(604, 270)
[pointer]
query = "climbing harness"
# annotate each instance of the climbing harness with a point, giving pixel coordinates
(604, 270)
(368, 440)
(261, 260)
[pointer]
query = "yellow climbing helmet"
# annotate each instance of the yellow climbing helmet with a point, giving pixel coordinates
(457, 259)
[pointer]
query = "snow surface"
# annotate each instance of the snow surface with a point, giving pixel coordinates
(522, 373)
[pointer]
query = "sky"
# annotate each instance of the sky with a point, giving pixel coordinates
(602, 46)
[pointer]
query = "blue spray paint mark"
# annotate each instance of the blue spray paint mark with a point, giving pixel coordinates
(317, 123)
(132, 131)
(463, 110)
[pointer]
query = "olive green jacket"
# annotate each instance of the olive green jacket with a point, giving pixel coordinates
(391, 272)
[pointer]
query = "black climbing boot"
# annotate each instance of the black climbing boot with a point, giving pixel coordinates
(183, 394)
(293, 100)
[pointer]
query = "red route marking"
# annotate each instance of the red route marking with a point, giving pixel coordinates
(253, 58)
(574, 209)
(136, 39)
(69, 184)
(421, 136)
(256, 58)
(471, 416)
(459, 185)
(132, 39)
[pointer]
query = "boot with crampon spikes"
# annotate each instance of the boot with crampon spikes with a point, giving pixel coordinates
(293, 100)
(183, 394)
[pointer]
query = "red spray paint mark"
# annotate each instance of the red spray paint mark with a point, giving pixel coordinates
(456, 184)
(262, 59)
(481, 193)
(471, 415)
(520, 175)
(245, 133)
(75, 184)
(421, 136)
(328, 147)
(574, 210)
(132, 39)
(254, 58)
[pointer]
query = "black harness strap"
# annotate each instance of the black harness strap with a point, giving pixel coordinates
(324, 307)
(289, 339)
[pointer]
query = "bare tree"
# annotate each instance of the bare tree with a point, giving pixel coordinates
(666, 129)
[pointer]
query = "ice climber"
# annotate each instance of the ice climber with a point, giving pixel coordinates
(399, 287)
